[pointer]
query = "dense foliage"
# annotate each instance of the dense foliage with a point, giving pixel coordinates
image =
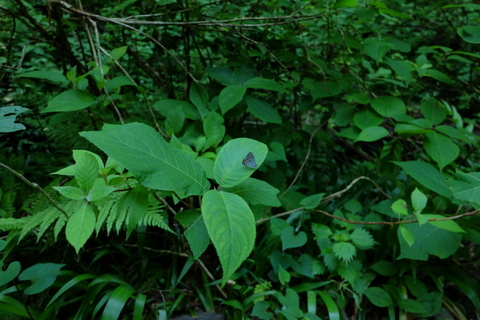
(261, 159)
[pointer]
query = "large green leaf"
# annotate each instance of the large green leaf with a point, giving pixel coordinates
(42, 275)
(214, 129)
(70, 100)
(441, 148)
(467, 187)
(428, 176)
(231, 226)
(50, 75)
(262, 83)
(429, 239)
(263, 110)
(256, 192)
(7, 119)
(230, 96)
(378, 297)
(80, 226)
(375, 48)
(156, 163)
(390, 107)
(117, 300)
(372, 134)
(229, 169)
(196, 234)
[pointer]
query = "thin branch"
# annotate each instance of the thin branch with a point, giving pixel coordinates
(33, 185)
(304, 161)
(339, 193)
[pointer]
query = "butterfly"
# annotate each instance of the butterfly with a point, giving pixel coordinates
(249, 161)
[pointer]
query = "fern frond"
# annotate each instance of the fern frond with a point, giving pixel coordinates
(155, 219)
(7, 224)
(105, 211)
(61, 222)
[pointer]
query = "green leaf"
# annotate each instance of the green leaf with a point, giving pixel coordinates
(117, 53)
(362, 239)
(437, 75)
(372, 134)
(214, 129)
(256, 192)
(419, 200)
(70, 100)
(467, 187)
(400, 207)
(223, 74)
(292, 240)
(283, 275)
(7, 119)
(10, 273)
(385, 268)
(175, 121)
(42, 275)
(449, 225)
(231, 226)
(118, 82)
(346, 3)
(230, 96)
(376, 49)
(405, 129)
(402, 68)
(229, 170)
(291, 304)
(116, 302)
(198, 96)
(260, 310)
(429, 239)
(262, 83)
(379, 297)
(313, 201)
(433, 111)
(390, 107)
(80, 226)
(411, 306)
(153, 161)
(427, 175)
(167, 106)
(263, 110)
(441, 148)
(407, 235)
(99, 192)
(344, 250)
(367, 118)
(86, 171)
(51, 75)
(197, 237)
(470, 34)
(333, 310)
(73, 193)
(135, 201)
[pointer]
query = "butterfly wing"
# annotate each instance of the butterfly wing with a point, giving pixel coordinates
(249, 161)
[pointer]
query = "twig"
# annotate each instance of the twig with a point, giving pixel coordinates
(304, 161)
(339, 193)
(33, 185)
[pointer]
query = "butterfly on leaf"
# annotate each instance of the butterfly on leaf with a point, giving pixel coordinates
(249, 161)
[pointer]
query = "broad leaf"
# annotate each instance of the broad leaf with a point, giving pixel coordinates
(262, 83)
(231, 226)
(375, 48)
(263, 110)
(229, 170)
(70, 100)
(390, 107)
(214, 129)
(427, 175)
(86, 171)
(441, 148)
(51, 75)
(42, 275)
(156, 163)
(467, 187)
(256, 192)
(80, 226)
(378, 297)
(429, 240)
(7, 119)
(230, 96)
(292, 240)
(196, 234)
(372, 134)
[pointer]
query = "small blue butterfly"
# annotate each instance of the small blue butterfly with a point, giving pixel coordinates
(249, 161)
